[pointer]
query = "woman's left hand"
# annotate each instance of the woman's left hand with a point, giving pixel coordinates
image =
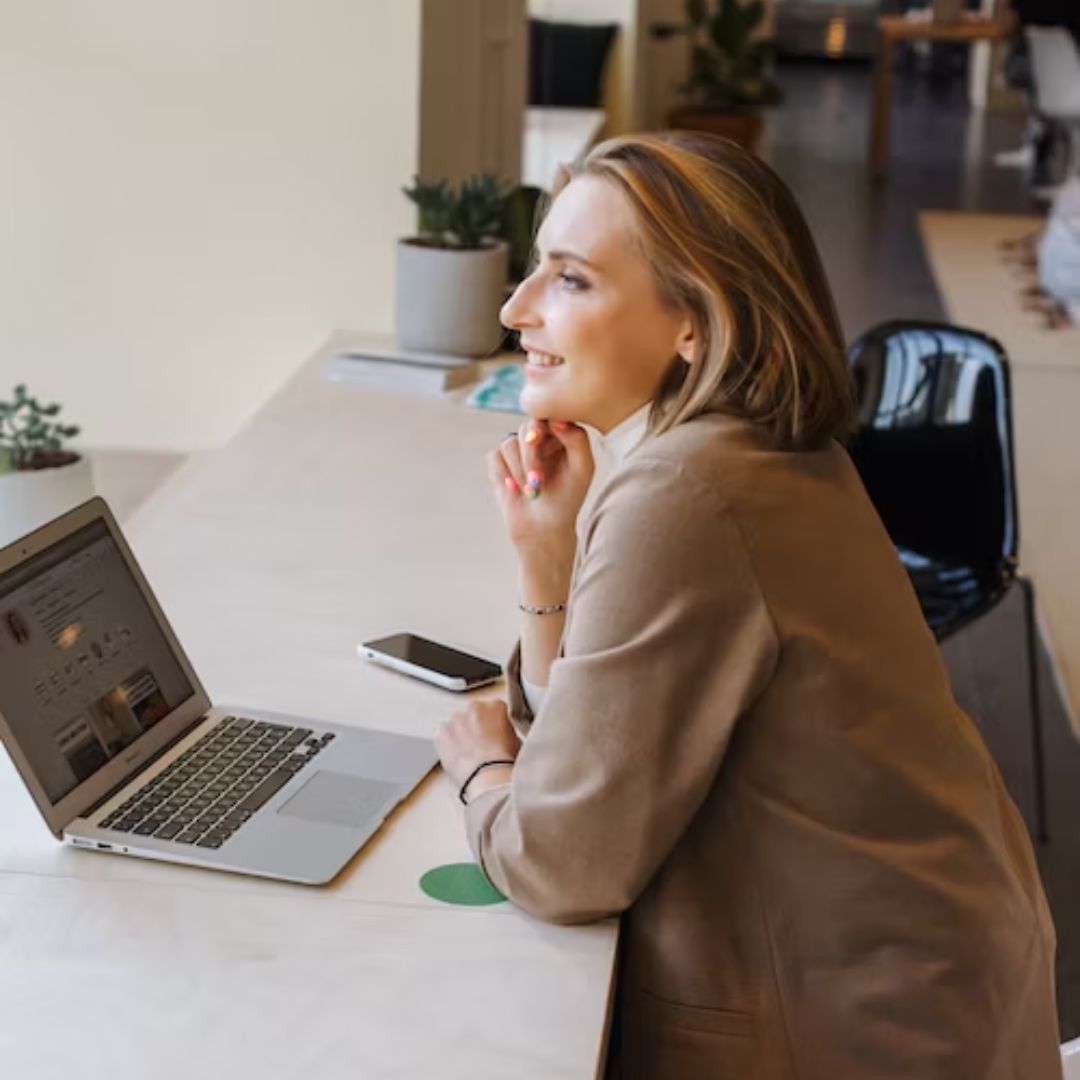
(480, 732)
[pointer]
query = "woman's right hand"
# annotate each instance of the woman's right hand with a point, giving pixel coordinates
(541, 475)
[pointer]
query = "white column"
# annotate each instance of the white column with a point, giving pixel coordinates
(472, 100)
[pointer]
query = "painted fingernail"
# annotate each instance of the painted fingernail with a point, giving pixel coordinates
(534, 479)
(511, 485)
(533, 493)
(532, 436)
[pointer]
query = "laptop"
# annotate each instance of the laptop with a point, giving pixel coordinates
(122, 751)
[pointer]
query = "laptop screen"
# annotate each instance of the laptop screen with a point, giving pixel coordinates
(84, 666)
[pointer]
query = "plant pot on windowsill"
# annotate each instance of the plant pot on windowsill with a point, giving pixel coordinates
(39, 479)
(448, 299)
(730, 70)
(742, 125)
(451, 278)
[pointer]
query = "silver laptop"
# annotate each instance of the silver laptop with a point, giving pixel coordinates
(121, 750)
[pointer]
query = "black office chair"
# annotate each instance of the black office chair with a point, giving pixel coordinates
(934, 448)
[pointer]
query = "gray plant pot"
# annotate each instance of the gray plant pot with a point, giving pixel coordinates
(448, 301)
(30, 499)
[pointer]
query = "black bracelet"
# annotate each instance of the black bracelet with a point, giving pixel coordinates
(479, 768)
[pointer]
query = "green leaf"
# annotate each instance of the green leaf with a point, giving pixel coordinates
(727, 67)
(728, 31)
(25, 428)
(753, 13)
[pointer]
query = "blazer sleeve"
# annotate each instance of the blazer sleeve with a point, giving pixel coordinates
(668, 642)
(521, 713)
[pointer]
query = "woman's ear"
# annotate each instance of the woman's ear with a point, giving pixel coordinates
(686, 342)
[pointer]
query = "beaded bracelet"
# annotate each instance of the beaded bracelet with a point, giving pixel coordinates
(479, 768)
(551, 609)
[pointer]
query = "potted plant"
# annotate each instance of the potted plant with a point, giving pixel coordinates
(451, 276)
(730, 75)
(39, 478)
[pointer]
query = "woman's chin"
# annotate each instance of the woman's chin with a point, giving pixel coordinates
(539, 404)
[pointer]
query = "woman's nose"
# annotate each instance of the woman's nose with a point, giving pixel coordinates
(518, 312)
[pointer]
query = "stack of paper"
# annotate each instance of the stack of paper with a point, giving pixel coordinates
(377, 361)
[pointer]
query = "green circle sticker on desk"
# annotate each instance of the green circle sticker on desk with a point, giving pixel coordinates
(460, 883)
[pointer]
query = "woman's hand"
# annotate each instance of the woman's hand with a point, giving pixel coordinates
(541, 476)
(480, 732)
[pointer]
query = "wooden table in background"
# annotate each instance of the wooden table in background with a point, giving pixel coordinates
(894, 28)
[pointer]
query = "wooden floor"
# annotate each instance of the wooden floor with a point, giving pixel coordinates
(868, 233)
(869, 239)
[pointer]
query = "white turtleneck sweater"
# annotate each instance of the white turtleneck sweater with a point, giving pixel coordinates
(608, 451)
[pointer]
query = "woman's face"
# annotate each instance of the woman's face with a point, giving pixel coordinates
(598, 335)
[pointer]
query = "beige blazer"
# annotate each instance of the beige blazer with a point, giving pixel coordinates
(749, 749)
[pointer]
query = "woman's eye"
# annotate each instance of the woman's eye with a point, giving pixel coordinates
(572, 281)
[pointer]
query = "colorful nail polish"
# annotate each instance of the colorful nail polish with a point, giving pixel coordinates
(533, 493)
(511, 485)
(534, 479)
(532, 436)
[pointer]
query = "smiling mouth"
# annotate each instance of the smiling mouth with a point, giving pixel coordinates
(542, 359)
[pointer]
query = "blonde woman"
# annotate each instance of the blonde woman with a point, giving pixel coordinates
(728, 722)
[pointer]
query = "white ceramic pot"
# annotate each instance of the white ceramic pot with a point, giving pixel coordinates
(448, 301)
(30, 498)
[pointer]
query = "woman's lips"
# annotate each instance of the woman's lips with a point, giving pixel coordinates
(541, 371)
(538, 372)
(539, 361)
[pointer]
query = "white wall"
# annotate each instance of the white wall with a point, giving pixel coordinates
(192, 195)
(621, 76)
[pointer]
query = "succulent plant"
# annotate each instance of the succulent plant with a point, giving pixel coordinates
(463, 218)
(30, 436)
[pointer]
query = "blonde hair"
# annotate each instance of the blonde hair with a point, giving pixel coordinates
(726, 241)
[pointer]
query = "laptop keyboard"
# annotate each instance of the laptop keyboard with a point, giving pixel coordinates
(218, 783)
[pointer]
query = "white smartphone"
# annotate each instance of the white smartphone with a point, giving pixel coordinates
(434, 663)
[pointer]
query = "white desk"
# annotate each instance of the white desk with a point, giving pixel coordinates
(336, 514)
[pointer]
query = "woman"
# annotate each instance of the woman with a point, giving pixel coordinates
(735, 728)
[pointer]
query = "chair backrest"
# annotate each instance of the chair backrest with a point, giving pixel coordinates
(1055, 65)
(934, 443)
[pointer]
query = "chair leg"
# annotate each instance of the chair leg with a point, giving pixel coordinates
(1035, 706)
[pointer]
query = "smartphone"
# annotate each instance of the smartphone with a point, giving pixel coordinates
(434, 663)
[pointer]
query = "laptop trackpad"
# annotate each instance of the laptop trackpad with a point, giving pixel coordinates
(335, 798)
